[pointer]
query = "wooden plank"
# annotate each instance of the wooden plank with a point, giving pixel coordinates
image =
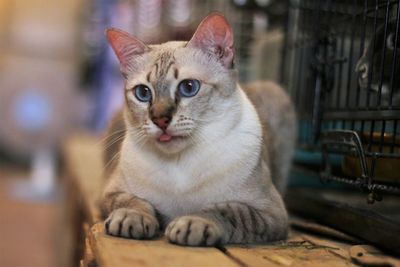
(88, 259)
(365, 255)
(339, 210)
(84, 167)
(112, 251)
(299, 250)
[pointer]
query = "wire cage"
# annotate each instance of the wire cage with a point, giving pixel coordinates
(342, 69)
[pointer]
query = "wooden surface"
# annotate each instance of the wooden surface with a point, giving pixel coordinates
(350, 213)
(84, 174)
(112, 251)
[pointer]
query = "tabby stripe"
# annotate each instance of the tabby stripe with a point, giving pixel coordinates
(156, 65)
(177, 97)
(205, 236)
(243, 218)
(240, 230)
(120, 225)
(148, 77)
(234, 222)
(225, 217)
(169, 66)
(253, 220)
(231, 235)
(142, 223)
(232, 217)
(176, 73)
(243, 221)
(185, 240)
(264, 230)
(130, 231)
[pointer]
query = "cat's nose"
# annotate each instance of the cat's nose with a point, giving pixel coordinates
(162, 123)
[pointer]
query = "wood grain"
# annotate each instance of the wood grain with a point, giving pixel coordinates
(113, 251)
(299, 250)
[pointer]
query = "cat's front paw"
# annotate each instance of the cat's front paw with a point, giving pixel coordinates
(193, 231)
(130, 223)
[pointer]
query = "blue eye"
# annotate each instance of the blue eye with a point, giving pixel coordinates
(189, 87)
(142, 93)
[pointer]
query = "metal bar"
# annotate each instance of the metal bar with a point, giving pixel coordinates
(371, 136)
(370, 70)
(394, 66)
(292, 37)
(339, 84)
(362, 47)
(378, 103)
(362, 115)
(362, 126)
(317, 109)
(361, 52)
(394, 136)
(320, 78)
(392, 2)
(350, 60)
(382, 139)
(299, 56)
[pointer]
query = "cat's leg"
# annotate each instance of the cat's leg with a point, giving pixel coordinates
(229, 222)
(128, 216)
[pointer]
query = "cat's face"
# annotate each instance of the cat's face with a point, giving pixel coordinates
(177, 92)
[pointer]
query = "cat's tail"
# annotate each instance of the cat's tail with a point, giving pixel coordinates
(277, 114)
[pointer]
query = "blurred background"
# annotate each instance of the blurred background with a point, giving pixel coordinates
(58, 76)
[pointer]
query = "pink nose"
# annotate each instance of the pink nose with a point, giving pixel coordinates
(162, 123)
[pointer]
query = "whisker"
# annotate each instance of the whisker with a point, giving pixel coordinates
(109, 136)
(110, 161)
(114, 142)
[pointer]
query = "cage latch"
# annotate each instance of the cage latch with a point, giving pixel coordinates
(346, 142)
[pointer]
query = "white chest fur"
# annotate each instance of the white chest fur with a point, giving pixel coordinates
(208, 172)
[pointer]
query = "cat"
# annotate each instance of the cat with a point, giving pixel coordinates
(369, 65)
(189, 154)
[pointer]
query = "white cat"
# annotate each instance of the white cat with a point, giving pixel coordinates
(195, 159)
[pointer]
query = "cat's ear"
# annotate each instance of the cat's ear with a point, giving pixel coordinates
(126, 47)
(215, 36)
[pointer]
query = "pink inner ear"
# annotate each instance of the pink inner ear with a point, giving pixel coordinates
(214, 35)
(125, 46)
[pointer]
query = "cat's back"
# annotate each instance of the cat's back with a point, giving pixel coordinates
(278, 118)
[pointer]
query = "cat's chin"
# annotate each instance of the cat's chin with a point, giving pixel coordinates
(173, 146)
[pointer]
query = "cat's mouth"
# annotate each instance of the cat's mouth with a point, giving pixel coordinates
(166, 137)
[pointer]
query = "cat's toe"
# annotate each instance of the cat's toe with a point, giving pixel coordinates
(193, 231)
(131, 224)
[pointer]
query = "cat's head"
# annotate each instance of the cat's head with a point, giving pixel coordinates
(178, 93)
